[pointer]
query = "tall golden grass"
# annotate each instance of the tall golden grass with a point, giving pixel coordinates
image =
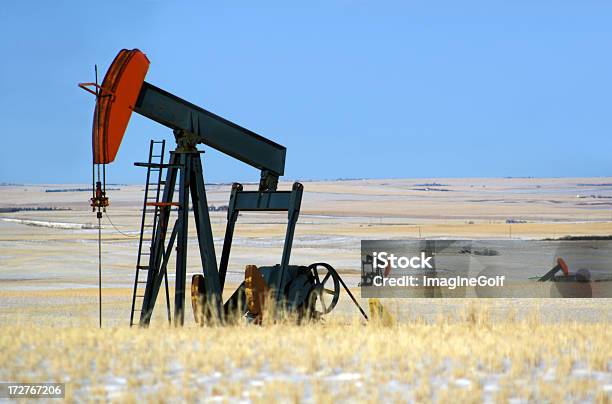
(467, 358)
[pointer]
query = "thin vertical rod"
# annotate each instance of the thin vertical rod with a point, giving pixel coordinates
(93, 160)
(100, 269)
(99, 214)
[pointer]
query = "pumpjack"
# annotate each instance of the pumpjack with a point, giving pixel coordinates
(301, 289)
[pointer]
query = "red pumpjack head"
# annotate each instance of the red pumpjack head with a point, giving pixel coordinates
(115, 100)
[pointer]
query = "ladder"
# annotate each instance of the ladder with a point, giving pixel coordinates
(150, 205)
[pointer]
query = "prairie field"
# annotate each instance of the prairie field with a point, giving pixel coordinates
(440, 350)
(468, 358)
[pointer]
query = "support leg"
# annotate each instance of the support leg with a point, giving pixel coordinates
(205, 237)
(294, 212)
(167, 297)
(232, 216)
(181, 244)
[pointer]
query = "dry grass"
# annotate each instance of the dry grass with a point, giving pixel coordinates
(48, 313)
(470, 358)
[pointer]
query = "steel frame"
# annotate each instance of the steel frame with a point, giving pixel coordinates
(186, 167)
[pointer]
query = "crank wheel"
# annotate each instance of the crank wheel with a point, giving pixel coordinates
(326, 292)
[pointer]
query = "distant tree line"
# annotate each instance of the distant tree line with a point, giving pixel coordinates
(78, 190)
(25, 209)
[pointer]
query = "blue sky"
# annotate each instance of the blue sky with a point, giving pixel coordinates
(353, 89)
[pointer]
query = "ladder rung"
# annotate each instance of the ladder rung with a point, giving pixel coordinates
(145, 267)
(139, 295)
(141, 282)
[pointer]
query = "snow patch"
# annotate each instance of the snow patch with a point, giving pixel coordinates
(52, 225)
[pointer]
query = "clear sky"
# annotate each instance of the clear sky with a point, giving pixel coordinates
(353, 89)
